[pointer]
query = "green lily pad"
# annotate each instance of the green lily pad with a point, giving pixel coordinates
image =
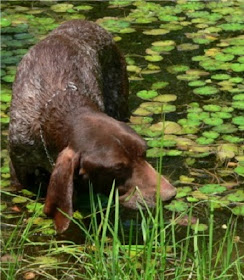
(236, 80)
(147, 94)
(19, 199)
(197, 83)
(189, 122)
(226, 151)
(212, 65)
(163, 43)
(237, 196)
(156, 32)
(133, 68)
(238, 210)
(211, 134)
(237, 67)
(155, 153)
(35, 207)
(207, 90)
(127, 30)
(241, 59)
(224, 57)
(183, 192)
(221, 77)
(173, 153)
(235, 50)
(204, 141)
(213, 121)
(238, 120)
(212, 189)
(61, 8)
(187, 47)
(225, 128)
(199, 227)
(142, 112)
(187, 77)
(212, 108)
(159, 85)
(161, 143)
(233, 139)
(238, 105)
(239, 170)
(198, 116)
(153, 58)
(232, 26)
(8, 78)
(165, 98)
(3, 206)
(84, 7)
(4, 22)
(177, 206)
(177, 68)
(221, 115)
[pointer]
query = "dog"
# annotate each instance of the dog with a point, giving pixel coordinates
(69, 100)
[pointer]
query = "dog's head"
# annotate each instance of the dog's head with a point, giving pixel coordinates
(105, 151)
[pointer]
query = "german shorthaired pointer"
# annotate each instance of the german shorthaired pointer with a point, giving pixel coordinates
(69, 98)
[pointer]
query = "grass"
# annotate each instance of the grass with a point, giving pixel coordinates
(149, 248)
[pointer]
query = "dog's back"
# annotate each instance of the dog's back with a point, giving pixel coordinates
(78, 62)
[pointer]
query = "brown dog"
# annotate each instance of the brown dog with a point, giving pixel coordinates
(67, 92)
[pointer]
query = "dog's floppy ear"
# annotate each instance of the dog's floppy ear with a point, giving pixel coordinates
(60, 189)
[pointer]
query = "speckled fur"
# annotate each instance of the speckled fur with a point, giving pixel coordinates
(77, 52)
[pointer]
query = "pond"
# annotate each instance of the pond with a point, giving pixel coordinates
(185, 61)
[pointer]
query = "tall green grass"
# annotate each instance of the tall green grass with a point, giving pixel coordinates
(149, 248)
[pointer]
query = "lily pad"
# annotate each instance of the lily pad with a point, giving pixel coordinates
(199, 227)
(177, 206)
(207, 90)
(211, 134)
(187, 77)
(187, 47)
(147, 94)
(240, 170)
(159, 85)
(165, 98)
(233, 139)
(142, 112)
(4, 22)
(156, 32)
(61, 8)
(204, 141)
(221, 77)
(167, 126)
(153, 58)
(221, 115)
(225, 128)
(212, 189)
(232, 26)
(183, 192)
(19, 199)
(237, 196)
(238, 120)
(212, 108)
(224, 57)
(197, 83)
(238, 105)
(238, 210)
(177, 68)
(237, 67)
(213, 121)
